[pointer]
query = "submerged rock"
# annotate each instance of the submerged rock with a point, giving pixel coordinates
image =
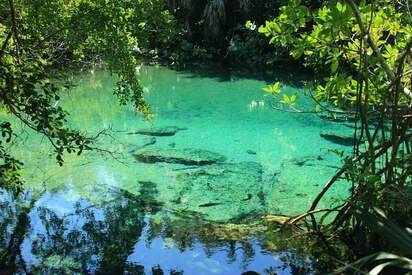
(302, 161)
(306, 161)
(251, 152)
(248, 217)
(145, 199)
(223, 191)
(345, 141)
(188, 156)
(143, 142)
(158, 131)
(148, 190)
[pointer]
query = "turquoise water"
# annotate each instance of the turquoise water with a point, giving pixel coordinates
(170, 214)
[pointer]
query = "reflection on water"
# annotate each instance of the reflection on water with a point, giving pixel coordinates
(62, 233)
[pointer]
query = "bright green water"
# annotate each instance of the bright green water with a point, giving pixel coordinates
(226, 113)
(218, 116)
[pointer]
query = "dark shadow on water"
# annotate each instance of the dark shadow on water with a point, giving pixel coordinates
(289, 73)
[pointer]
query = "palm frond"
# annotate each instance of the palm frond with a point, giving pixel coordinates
(374, 264)
(186, 4)
(245, 5)
(215, 17)
(397, 236)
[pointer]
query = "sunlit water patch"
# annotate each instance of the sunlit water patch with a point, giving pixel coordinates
(215, 158)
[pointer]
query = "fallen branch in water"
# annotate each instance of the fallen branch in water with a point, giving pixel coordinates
(295, 220)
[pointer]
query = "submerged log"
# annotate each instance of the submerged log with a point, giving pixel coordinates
(158, 131)
(277, 219)
(211, 204)
(345, 141)
(143, 142)
(188, 156)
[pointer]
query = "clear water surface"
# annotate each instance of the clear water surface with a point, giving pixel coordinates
(111, 213)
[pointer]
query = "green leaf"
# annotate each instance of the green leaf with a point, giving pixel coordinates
(285, 99)
(248, 24)
(267, 89)
(293, 99)
(297, 52)
(276, 27)
(272, 89)
(334, 65)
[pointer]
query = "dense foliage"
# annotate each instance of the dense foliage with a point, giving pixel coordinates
(214, 30)
(362, 54)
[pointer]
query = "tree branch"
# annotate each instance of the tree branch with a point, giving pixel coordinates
(368, 39)
(6, 41)
(344, 168)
